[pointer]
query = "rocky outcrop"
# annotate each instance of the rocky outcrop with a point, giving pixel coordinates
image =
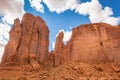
(90, 43)
(28, 42)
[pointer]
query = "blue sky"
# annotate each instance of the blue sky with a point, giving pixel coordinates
(58, 15)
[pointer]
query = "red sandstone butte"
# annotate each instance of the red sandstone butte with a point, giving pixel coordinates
(94, 43)
(28, 42)
(90, 43)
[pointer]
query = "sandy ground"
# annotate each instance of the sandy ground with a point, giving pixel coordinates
(67, 71)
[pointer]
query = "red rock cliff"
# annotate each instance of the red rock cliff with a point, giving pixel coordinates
(90, 43)
(94, 43)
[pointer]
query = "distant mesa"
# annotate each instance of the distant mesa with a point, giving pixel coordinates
(91, 43)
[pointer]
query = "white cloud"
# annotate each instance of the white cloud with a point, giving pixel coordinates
(97, 13)
(61, 5)
(36, 4)
(9, 10)
(112, 20)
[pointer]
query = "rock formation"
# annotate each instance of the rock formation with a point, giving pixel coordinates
(94, 43)
(90, 43)
(58, 51)
(28, 42)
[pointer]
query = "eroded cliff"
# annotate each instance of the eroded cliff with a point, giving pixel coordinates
(91, 43)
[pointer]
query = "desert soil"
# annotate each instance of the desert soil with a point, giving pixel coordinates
(67, 71)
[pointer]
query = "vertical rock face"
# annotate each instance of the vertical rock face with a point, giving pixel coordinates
(28, 42)
(91, 43)
(24, 47)
(94, 43)
(88, 43)
(43, 41)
